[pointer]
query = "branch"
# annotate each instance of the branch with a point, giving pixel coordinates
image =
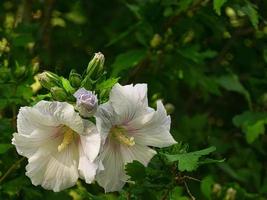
(13, 167)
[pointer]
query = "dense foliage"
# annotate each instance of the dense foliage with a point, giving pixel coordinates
(205, 59)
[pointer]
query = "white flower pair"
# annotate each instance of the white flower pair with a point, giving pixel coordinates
(62, 147)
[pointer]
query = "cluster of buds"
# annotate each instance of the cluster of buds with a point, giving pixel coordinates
(62, 89)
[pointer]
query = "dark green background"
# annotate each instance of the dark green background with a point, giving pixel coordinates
(205, 59)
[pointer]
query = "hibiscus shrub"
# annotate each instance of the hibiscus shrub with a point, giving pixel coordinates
(158, 99)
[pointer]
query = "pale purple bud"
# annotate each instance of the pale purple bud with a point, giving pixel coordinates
(86, 102)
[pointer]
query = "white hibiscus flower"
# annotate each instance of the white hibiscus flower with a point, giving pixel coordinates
(127, 127)
(59, 144)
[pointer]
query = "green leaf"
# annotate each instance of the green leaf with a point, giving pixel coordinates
(22, 40)
(4, 148)
(217, 4)
(123, 34)
(127, 60)
(251, 123)
(184, 5)
(251, 11)
(104, 87)
(231, 82)
(136, 171)
(189, 161)
(193, 53)
(107, 84)
(206, 186)
(177, 194)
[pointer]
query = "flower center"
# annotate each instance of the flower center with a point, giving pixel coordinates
(67, 138)
(119, 134)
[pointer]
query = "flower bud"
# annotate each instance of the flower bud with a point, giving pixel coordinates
(86, 102)
(75, 79)
(48, 80)
(230, 12)
(95, 66)
(230, 194)
(155, 41)
(58, 93)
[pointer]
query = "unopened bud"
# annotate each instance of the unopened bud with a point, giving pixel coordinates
(169, 108)
(96, 66)
(86, 102)
(230, 12)
(75, 79)
(48, 80)
(217, 189)
(230, 194)
(58, 93)
(155, 41)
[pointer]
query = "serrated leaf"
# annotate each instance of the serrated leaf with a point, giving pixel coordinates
(217, 4)
(189, 161)
(127, 60)
(251, 123)
(136, 171)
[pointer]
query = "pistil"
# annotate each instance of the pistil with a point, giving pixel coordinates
(119, 134)
(67, 138)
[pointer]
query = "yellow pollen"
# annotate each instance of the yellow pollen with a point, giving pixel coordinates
(119, 134)
(67, 139)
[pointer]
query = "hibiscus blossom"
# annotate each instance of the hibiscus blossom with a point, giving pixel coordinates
(127, 127)
(59, 144)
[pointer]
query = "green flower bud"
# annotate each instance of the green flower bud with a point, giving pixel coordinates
(75, 79)
(155, 41)
(96, 66)
(49, 79)
(230, 194)
(58, 93)
(230, 12)
(169, 108)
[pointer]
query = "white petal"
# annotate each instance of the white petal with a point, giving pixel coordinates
(52, 169)
(66, 114)
(113, 177)
(87, 169)
(27, 145)
(105, 118)
(30, 118)
(129, 101)
(91, 142)
(137, 152)
(153, 128)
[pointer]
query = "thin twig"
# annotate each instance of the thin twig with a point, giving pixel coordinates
(191, 178)
(11, 169)
(188, 191)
